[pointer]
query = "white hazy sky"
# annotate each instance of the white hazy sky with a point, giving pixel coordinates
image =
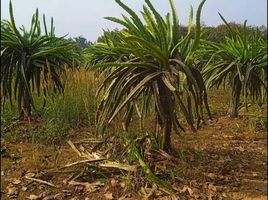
(86, 17)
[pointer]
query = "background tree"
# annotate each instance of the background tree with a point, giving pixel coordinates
(31, 61)
(218, 33)
(81, 42)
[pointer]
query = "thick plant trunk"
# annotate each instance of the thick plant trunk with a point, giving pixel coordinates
(167, 134)
(235, 99)
(25, 110)
(166, 123)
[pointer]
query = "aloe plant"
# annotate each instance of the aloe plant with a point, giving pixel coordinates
(151, 66)
(32, 61)
(239, 61)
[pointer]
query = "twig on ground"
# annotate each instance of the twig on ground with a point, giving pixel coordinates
(41, 181)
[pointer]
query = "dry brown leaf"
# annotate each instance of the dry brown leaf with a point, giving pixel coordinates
(123, 185)
(240, 149)
(12, 191)
(212, 187)
(224, 195)
(109, 195)
(209, 197)
(114, 182)
(123, 197)
(16, 181)
(151, 194)
(254, 174)
(81, 148)
(33, 197)
(187, 190)
(190, 191)
(183, 190)
(89, 187)
(49, 197)
(211, 175)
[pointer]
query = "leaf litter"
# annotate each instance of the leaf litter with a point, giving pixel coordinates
(215, 174)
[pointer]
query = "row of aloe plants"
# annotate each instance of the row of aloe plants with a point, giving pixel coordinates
(149, 65)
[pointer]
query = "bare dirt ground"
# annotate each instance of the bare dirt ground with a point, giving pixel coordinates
(234, 159)
(229, 162)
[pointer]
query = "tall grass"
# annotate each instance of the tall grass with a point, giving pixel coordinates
(74, 109)
(77, 105)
